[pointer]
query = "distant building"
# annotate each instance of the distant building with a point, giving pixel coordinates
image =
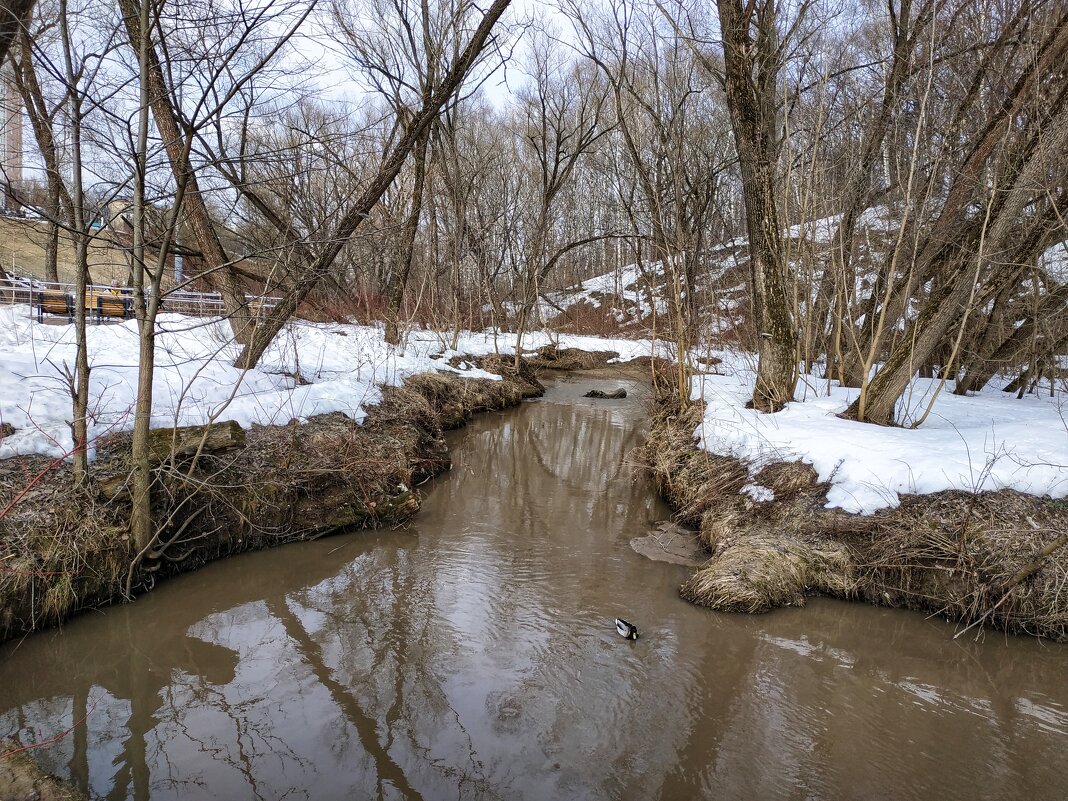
(119, 216)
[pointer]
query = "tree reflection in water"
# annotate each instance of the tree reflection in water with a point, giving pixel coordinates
(473, 656)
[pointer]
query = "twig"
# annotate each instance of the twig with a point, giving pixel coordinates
(55, 739)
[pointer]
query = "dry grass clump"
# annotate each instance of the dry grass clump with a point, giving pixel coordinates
(447, 401)
(57, 544)
(553, 358)
(720, 523)
(788, 479)
(760, 573)
(997, 558)
(693, 481)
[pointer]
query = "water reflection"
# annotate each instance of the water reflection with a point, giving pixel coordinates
(473, 656)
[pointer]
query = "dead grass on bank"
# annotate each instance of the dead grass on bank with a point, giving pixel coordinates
(693, 481)
(982, 559)
(57, 545)
(995, 557)
(63, 549)
(553, 358)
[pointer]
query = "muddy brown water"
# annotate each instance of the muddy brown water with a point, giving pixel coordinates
(473, 655)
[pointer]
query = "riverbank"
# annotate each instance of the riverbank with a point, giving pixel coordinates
(22, 780)
(65, 550)
(981, 558)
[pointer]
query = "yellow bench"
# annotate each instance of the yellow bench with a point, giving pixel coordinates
(53, 302)
(107, 304)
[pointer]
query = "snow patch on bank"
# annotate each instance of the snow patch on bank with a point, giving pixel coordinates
(195, 382)
(983, 442)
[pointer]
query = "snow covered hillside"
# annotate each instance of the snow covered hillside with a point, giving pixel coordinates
(195, 382)
(630, 295)
(626, 299)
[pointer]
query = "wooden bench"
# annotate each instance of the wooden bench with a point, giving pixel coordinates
(109, 305)
(53, 302)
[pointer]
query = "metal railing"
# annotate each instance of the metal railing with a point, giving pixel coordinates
(57, 298)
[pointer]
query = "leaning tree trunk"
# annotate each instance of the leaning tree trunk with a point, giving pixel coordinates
(950, 301)
(926, 333)
(220, 273)
(1009, 351)
(937, 245)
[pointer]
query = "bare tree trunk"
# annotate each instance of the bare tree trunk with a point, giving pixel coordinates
(79, 425)
(142, 528)
(411, 231)
(993, 351)
(750, 72)
(58, 207)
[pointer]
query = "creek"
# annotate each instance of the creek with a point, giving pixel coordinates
(473, 655)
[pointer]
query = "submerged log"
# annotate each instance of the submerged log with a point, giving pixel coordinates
(596, 393)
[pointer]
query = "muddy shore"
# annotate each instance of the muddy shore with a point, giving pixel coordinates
(22, 780)
(984, 559)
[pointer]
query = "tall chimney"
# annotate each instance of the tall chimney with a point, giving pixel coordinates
(12, 139)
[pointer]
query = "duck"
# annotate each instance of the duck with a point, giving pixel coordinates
(628, 631)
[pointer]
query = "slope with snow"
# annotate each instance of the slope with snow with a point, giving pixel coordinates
(195, 382)
(984, 442)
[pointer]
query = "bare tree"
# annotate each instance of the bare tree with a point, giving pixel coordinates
(314, 266)
(562, 116)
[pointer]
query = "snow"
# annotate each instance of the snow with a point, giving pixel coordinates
(623, 286)
(195, 381)
(758, 492)
(988, 441)
(822, 231)
(1055, 261)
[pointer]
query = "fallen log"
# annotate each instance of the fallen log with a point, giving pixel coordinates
(172, 443)
(165, 443)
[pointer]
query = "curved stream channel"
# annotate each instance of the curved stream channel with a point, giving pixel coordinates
(473, 655)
